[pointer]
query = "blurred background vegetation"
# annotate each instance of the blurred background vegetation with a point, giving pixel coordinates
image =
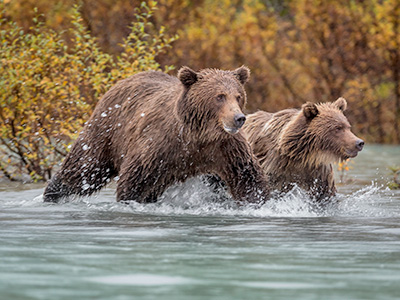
(57, 59)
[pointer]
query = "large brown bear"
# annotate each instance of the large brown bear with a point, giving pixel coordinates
(153, 130)
(299, 146)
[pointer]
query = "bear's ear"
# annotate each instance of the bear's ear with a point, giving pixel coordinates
(341, 103)
(310, 110)
(187, 76)
(242, 74)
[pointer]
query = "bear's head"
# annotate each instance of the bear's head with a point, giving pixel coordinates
(213, 100)
(320, 134)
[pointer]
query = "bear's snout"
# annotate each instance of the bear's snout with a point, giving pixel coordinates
(239, 120)
(359, 144)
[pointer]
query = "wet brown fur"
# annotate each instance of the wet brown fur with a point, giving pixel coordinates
(299, 146)
(153, 130)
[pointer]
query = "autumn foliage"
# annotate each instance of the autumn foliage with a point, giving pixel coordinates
(56, 63)
(48, 87)
(304, 50)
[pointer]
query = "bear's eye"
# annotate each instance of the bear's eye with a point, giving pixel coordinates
(238, 98)
(338, 128)
(221, 98)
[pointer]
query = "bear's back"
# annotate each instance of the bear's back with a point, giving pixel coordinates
(262, 129)
(145, 86)
(151, 83)
(153, 78)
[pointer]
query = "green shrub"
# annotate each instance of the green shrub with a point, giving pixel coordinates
(49, 89)
(395, 172)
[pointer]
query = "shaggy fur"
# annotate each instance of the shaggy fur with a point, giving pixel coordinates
(299, 146)
(153, 130)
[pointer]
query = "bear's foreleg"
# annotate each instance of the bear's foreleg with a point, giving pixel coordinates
(247, 183)
(142, 183)
(243, 175)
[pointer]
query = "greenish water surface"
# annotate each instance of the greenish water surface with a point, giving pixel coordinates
(188, 246)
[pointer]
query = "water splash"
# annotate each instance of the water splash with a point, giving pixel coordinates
(195, 198)
(370, 201)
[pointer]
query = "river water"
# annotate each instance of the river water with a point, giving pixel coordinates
(189, 246)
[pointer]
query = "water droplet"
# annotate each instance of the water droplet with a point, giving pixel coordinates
(142, 114)
(85, 147)
(117, 106)
(103, 114)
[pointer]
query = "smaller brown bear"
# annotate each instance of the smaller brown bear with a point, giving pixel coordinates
(153, 130)
(299, 146)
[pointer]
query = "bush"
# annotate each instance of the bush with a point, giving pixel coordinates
(49, 89)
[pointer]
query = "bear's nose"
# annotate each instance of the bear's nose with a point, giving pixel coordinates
(359, 145)
(239, 120)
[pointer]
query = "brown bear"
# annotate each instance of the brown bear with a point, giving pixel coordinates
(299, 146)
(152, 130)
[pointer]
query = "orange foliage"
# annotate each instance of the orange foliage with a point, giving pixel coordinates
(297, 50)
